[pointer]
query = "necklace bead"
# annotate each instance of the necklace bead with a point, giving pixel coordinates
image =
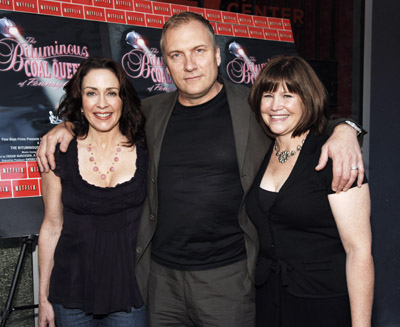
(96, 169)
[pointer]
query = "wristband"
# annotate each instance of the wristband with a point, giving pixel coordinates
(350, 123)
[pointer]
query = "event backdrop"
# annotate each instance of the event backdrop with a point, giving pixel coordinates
(41, 46)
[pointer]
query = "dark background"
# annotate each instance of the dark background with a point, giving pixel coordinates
(384, 159)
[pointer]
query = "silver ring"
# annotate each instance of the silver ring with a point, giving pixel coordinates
(354, 168)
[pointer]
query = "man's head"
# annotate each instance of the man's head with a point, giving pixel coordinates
(192, 57)
(182, 19)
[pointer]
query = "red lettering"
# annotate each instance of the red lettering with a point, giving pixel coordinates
(232, 5)
(298, 16)
(246, 8)
(262, 12)
(285, 12)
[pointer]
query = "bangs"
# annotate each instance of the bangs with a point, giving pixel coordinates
(271, 86)
(282, 74)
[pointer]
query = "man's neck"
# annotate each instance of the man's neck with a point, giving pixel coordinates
(190, 101)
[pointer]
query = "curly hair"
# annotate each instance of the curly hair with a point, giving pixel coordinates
(131, 123)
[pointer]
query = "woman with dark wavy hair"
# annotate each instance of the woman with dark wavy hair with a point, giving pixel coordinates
(93, 201)
(315, 267)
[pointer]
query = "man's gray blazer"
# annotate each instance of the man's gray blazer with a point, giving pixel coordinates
(251, 146)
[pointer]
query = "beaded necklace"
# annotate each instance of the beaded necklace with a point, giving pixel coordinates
(96, 169)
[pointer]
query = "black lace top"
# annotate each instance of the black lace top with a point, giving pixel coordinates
(94, 261)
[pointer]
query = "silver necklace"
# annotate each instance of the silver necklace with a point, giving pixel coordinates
(286, 154)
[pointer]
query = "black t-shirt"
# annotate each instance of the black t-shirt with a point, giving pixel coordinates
(199, 190)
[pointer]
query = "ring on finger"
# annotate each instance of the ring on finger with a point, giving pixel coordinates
(354, 168)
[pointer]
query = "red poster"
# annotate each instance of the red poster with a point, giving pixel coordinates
(115, 16)
(124, 4)
(94, 13)
(5, 189)
(25, 188)
(256, 32)
(143, 6)
(160, 8)
(156, 21)
(104, 3)
(73, 11)
(13, 170)
(213, 15)
(260, 21)
(224, 29)
(135, 18)
(26, 6)
(50, 8)
(240, 31)
(271, 34)
(229, 17)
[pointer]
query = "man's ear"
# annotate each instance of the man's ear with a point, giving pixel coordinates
(218, 55)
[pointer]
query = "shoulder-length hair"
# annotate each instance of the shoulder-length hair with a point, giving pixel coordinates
(297, 76)
(131, 123)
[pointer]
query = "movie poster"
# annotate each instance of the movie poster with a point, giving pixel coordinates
(35, 63)
(39, 54)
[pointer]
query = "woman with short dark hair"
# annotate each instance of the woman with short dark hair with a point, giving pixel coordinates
(315, 266)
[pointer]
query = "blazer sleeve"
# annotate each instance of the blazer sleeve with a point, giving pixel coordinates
(335, 122)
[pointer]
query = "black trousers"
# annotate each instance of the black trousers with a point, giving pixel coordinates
(220, 297)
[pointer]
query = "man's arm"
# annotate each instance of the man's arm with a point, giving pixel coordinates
(45, 153)
(344, 150)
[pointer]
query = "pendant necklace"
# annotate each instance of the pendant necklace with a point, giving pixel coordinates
(286, 154)
(96, 169)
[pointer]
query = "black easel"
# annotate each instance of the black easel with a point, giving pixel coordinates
(8, 309)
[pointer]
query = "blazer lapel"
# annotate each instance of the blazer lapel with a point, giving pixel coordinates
(160, 125)
(240, 121)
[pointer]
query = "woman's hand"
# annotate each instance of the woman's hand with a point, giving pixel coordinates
(46, 314)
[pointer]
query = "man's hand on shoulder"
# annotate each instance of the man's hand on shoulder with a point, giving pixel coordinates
(344, 150)
(45, 153)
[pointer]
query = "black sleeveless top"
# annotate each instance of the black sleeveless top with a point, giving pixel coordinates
(94, 261)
